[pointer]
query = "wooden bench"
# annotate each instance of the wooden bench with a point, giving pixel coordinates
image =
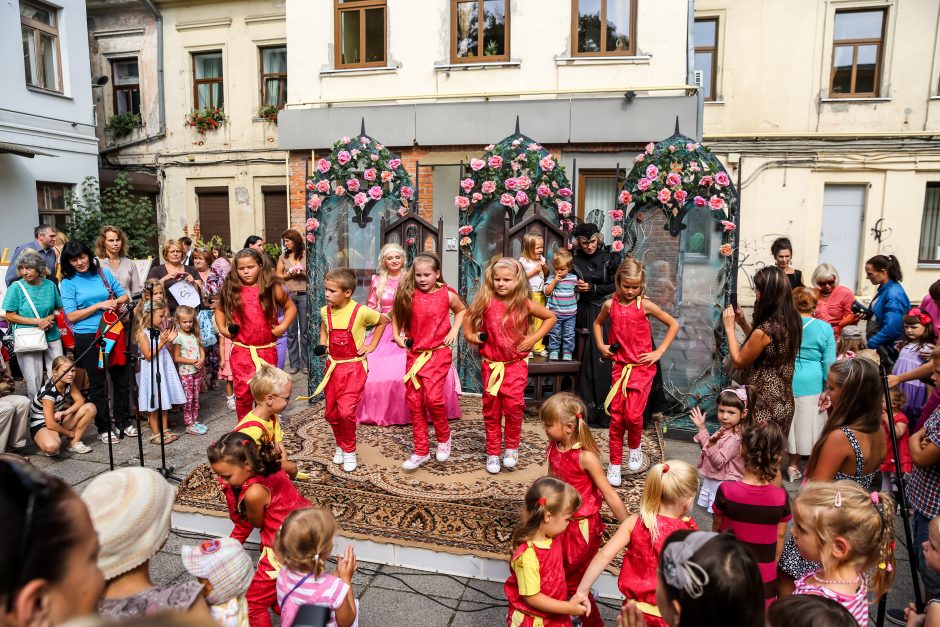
(552, 374)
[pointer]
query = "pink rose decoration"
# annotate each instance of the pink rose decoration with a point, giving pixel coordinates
(725, 250)
(681, 196)
(374, 158)
(343, 157)
(323, 166)
(466, 229)
(716, 203)
(673, 179)
(547, 164)
(386, 176)
(564, 208)
(360, 199)
(466, 184)
(407, 192)
(355, 152)
(695, 167)
(344, 139)
(722, 179)
(375, 192)
(523, 182)
(534, 147)
(365, 141)
(477, 164)
(379, 147)
(649, 148)
(565, 191)
(616, 231)
(507, 200)
(310, 186)
(652, 172)
(323, 186)
(462, 202)
(410, 241)
(402, 211)
(639, 158)
(705, 181)
(488, 187)
(311, 238)
(352, 185)
(515, 166)
(369, 174)
(643, 184)
(477, 197)
(664, 195)
(340, 190)
(543, 191)
(311, 224)
(522, 199)
(464, 241)
(617, 246)
(699, 201)
(495, 161)
(394, 163)
(489, 147)
(728, 226)
(510, 183)
(314, 203)
(616, 214)
(625, 198)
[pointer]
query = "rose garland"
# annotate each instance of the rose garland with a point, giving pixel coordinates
(362, 169)
(517, 172)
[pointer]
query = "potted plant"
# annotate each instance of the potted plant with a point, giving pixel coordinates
(204, 120)
(123, 124)
(268, 113)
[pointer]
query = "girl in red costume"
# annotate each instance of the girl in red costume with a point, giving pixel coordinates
(634, 360)
(574, 458)
(664, 507)
(259, 494)
(247, 314)
(536, 588)
(501, 310)
(422, 310)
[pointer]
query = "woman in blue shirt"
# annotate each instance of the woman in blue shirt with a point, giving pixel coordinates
(889, 304)
(85, 297)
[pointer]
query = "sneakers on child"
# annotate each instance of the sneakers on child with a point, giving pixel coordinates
(443, 451)
(566, 357)
(230, 402)
(80, 447)
(197, 428)
(414, 461)
(338, 456)
(553, 356)
(511, 457)
(613, 475)
(130, 431)
(349, 462)
(636, 459)
(492, 464)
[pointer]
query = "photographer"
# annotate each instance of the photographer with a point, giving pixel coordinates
(173, 271)
(885, 324)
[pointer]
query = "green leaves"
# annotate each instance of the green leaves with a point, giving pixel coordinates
(123, 124)
(119, 206)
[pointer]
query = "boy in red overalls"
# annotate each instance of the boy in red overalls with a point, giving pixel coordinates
(343, 324)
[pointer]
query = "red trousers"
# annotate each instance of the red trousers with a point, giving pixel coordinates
(343, 392)
(626, 413)
(261, 595)
(577, 556)
(508, 403)
(428, 400)
(243, 368)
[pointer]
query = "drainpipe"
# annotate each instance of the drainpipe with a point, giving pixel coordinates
(690, 72)
(161, 111)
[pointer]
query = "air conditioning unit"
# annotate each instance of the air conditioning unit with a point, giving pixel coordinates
(698, 78)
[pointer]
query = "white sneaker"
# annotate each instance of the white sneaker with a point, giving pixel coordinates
(349, 462)
(511, 457)
(109, 436)
(130, 431)
(230, 402)
(613, 475)
(414, 461)
(636, 459)
(338, 456)
(443, 451)
(492, 464)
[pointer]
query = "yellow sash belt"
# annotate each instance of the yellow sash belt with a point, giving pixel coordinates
(619, 386)
(519, 617)
(272, 560)
(647, 608)
(332, 366)
(258, 362)
(497, 375)
(416, 367)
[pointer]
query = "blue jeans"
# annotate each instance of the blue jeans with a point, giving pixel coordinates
(931, 578)
(561, 337)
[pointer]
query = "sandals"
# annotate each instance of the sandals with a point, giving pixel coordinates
(794, 474)
(168, 436)
(80, 447)
(197, 428)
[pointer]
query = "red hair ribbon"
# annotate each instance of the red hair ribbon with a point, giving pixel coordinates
(578, 415)
(245, 442)
(924, 318)
(541, 500)
(665, 468)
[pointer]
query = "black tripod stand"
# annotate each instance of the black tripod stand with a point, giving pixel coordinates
(156, 379)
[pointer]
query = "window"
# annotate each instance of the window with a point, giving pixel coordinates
(603, 27)
(207, 80)
(275, 212)
(274, 76)
(125, 77)
(475, 40)
(41, 59)
(856, 53)
(52, 200)
(213, 213)
(706, 54)
(360, 33)
(597, 196)
(930, 226)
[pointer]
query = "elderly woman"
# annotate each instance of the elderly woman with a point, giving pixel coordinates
(32, 302)
(173, 271)
(111, 249)
(88, 291)
(817, 353)
(835, 301)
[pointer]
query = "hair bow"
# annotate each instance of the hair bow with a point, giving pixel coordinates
(924, 318)
(677, 567)
(541, 501)
(740, 392)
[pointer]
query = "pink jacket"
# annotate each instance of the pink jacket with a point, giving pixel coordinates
(722, 460)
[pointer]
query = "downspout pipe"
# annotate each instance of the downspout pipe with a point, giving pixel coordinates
(690, 71)
(161, 105)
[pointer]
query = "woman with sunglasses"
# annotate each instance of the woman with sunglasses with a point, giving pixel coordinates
(48, 560)
(835, 301)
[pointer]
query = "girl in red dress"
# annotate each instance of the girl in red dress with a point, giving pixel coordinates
(259, 494)
(536, 588)
(422, 310)
(247, 314)
(574, 458)
(501, 310)
(664, 507)
(634, 360)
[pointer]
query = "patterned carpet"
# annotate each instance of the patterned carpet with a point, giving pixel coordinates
(456, 506)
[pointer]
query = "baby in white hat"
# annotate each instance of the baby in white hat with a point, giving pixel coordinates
(225, 570)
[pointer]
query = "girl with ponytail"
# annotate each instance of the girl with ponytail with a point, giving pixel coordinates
(886, 326)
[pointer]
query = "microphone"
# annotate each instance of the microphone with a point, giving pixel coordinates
(233, 329)
(482, 336)
(409, 342)
(614, 347)
(319, 350)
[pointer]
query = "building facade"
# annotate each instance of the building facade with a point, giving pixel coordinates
(198, 75)
(47, 123)
(828, 116)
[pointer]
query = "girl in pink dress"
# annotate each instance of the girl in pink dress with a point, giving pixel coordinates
(383, 399)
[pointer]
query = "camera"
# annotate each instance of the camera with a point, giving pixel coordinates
(861, 310)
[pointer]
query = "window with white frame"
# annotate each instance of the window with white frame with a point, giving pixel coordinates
(930, 226)
(39, 24)
(125, 78)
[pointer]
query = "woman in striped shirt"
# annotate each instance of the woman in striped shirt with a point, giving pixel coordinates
(59, 409)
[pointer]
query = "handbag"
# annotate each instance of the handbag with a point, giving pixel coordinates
(113, 353)
(29, 339)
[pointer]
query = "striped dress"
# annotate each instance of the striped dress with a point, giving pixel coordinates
(856, 604)
(326, 589)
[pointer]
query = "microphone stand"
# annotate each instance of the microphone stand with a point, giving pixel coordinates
(155, 387)
(132, 360)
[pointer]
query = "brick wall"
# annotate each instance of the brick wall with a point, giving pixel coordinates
(660, 254)
(298, 163)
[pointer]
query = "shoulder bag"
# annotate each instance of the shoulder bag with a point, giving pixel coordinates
(28, 339)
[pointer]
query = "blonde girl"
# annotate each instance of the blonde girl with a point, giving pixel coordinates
(536, 588)
(159, 293)
(422, 311)
(533, 262)
(664, 507)
(304, 544)
(59, 409)
(152, 343)
(573, 457)
(850, 532)
(190, 357)
(497, 322)
(633, 360)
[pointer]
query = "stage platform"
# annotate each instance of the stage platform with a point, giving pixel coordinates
(448, 517)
